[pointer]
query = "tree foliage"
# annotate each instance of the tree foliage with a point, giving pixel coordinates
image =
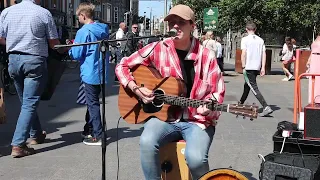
(286, 17)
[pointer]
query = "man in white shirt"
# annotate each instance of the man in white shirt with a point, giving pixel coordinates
(253, 58)
(219, 54)
(120, 44)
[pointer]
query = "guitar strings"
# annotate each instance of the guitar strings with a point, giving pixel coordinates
(169, 98)
(201, 102)
(216, 107)
(163, 96)
(198, 102)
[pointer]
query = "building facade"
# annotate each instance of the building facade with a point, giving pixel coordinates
(118, 10)
(111, 12)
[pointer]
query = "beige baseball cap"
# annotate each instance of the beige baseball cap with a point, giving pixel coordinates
(183, 11)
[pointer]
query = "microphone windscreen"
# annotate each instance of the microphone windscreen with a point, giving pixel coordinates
(172, 32)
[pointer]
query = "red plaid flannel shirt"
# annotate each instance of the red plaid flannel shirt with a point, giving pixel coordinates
(208, 82)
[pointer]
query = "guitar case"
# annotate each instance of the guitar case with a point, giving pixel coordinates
(56, 68)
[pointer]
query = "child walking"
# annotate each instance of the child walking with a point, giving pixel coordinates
(90, 66)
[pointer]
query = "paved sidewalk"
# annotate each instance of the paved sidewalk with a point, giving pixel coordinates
(237, 142)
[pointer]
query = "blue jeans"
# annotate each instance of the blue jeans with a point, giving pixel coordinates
(157, 133)
(92, 100)
(119, 55)
(30, 76)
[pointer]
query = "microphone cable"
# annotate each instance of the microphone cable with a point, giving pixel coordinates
(172, 32)
(118, 157)
(149, 51)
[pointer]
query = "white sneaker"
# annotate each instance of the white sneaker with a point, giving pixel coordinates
(92, 141)
(290, 77)
(285, 79)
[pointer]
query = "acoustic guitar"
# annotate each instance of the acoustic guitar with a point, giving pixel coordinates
(169, 97)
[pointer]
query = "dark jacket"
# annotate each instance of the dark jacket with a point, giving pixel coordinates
(131, 44)
(153, 39)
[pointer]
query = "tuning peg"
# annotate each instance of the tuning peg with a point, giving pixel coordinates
(251, 119)
(253, 104)
(243, 117)
(237, 116)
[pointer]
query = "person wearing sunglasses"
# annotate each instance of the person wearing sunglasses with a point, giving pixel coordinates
(131, 44)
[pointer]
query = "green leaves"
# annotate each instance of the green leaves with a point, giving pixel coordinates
(287, 17)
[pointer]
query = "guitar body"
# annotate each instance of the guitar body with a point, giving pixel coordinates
(223, 174)
(134, 111)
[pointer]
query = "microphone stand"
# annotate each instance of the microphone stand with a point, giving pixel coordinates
(104, 48)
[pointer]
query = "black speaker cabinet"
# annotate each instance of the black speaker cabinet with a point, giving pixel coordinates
(312, 121)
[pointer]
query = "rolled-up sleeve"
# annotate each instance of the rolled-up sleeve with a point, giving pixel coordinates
(3, 34)
(51, 29)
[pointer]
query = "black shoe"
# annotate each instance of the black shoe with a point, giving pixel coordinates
(86, 135)
(92, 141)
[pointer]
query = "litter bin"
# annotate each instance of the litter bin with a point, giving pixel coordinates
(238, 64)
(304, 56)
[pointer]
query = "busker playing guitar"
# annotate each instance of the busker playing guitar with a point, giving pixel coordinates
(181, 57)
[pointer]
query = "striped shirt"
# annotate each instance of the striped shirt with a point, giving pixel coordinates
(27, 28)
(208, 83)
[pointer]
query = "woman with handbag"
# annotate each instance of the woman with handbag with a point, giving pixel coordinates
(287, 58)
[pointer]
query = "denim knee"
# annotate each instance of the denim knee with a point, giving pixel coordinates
(195, 160)
(148, 142)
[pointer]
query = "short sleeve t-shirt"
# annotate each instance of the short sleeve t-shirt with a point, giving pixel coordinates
(255, 48)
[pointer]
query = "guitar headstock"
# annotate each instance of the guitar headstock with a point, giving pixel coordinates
(244, 110)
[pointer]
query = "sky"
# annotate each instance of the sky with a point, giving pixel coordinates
(157, 8)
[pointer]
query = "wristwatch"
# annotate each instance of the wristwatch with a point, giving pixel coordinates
(243, 67)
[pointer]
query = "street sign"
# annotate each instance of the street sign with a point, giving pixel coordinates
(210, 18)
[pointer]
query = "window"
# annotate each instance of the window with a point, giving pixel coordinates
(115, 15)
(106, 7)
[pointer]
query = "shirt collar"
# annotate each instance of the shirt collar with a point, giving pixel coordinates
(34, 1)
(193, 51)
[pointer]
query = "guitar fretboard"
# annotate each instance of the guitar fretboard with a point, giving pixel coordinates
(187, 102)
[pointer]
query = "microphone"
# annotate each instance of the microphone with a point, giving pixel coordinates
(171, 33)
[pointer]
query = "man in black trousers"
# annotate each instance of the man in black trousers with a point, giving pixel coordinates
(253, 59)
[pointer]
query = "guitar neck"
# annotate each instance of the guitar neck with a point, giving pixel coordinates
(187, 102)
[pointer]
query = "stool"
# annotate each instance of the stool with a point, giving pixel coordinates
(173, 163)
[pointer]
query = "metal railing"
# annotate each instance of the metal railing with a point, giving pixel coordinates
(297, 88)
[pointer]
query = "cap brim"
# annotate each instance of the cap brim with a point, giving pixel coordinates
(174, 14)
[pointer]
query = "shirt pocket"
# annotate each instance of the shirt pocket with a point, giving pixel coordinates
(168, 71)
(203, 88)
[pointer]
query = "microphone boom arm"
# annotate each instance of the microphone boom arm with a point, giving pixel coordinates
(109, 41)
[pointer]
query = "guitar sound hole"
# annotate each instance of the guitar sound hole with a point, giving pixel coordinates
(158, 100)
